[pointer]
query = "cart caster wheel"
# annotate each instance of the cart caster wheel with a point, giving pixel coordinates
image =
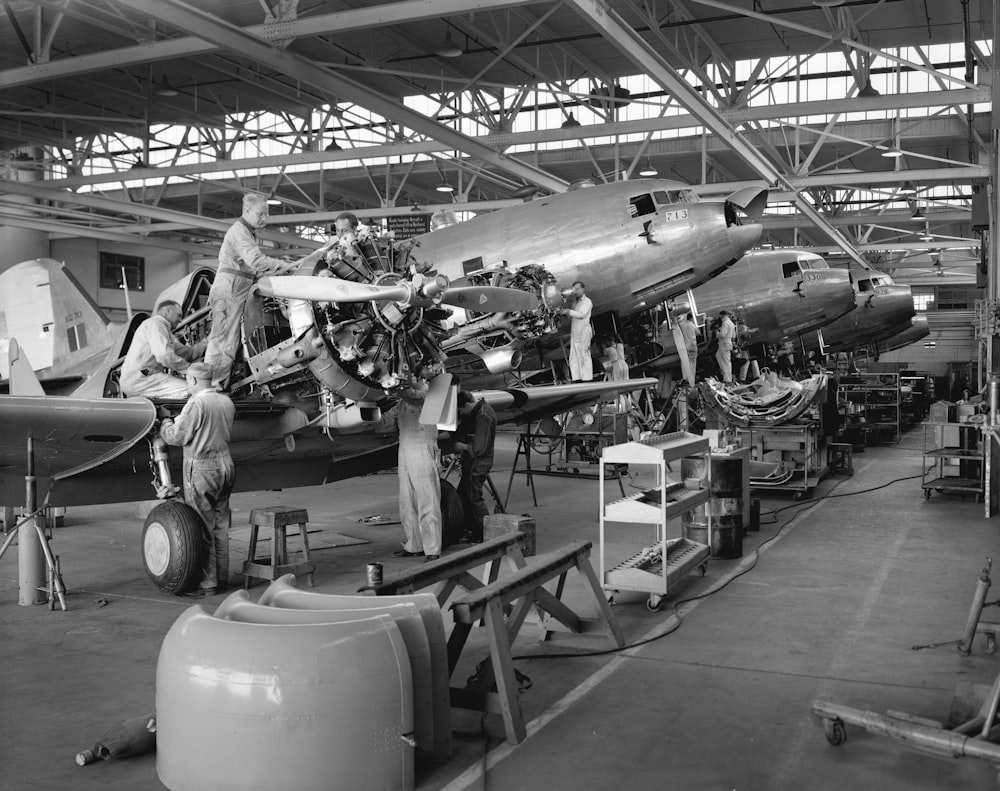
(798, 495)
(653, 603)
(703, 568)
(548, 468)
(835, 732)
(989, 643)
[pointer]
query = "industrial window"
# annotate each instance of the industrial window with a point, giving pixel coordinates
(641, 205)
(955, 297)
(923, 297)
(112, 265)
(790, 269)
(77, 336)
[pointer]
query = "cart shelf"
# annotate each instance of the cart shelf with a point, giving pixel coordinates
(644, 570)
(645, 507)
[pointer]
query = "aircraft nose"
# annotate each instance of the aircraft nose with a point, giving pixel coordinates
(743, 237)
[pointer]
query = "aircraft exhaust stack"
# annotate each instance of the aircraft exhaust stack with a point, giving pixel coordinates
(501, 360)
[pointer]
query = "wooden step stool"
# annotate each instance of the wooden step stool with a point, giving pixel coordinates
(278, 518)
(840, 458)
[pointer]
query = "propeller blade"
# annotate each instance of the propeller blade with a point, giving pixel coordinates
(490, 299)
(440, 404)
(328, 289)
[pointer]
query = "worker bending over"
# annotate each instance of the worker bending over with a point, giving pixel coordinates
(477, 430)
(203, 428)
(154, 353)
(241, 262)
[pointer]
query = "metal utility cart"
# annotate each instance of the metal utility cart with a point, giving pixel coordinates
(953, 459)
(656, 567)
(798, 447)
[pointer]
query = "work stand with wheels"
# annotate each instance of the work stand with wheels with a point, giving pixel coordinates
(654, 568)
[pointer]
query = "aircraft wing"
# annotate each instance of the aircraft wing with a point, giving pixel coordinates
(70, 435)
(525, 404)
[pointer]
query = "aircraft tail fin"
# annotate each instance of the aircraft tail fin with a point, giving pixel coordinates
(23, 381)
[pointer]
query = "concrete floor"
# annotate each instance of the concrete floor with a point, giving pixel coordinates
(841, 590)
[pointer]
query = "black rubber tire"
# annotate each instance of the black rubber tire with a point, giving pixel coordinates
(452, 515)
(173, 547)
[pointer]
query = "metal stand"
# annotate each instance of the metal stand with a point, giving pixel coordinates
(523, 446)
(27, 553)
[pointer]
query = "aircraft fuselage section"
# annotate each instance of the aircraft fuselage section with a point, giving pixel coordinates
(633, 244)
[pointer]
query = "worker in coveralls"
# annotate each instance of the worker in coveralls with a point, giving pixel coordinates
(241, 262)
(724, 356)
(581, 366)
(419, 484)
(154, 353)
(477, 430)
(203, 429)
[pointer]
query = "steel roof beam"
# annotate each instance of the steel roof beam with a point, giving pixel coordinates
(337, 86)
(638, 50)
(398, 13)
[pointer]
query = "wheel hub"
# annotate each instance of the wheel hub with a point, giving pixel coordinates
(156, 548)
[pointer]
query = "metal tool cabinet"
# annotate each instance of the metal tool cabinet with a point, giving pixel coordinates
(654, 568)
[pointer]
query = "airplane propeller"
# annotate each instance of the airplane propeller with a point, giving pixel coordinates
(485, 299)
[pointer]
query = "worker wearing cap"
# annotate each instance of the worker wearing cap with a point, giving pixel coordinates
(203, 429)
(241, 262)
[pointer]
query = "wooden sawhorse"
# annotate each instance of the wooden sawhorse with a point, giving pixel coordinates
(453, 569)
(523, 589)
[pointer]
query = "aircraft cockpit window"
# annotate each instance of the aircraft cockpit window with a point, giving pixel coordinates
(641, 205)
(865, 285)
(790, 269)
(876, 282)
(664, 198)
(689, 196)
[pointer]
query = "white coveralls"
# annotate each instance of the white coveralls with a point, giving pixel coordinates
(724, 356)
(151, 355)
(240, 263)
(689, 331)
(203, 427)
(581, 366)
(419, 487)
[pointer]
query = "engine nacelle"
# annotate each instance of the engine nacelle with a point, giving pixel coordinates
(502, 359)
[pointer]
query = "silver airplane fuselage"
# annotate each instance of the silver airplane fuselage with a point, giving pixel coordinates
(917, 331)
(777, 294)
(633, 243)
(883, 309)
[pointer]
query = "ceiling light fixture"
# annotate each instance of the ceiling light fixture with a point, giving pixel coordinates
(892, 153)
(162, 87)
(907, 188)
(649, 170)
(138, 165)
(570, 123)
(333, 146)
(918, 214)
(444, 186)
(448, 48)
(926, 237)
(867, 90)
(827, 3)
(273, 202)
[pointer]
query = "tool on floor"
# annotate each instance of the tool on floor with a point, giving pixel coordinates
(972, 624)
(136, 736)
(921, 733)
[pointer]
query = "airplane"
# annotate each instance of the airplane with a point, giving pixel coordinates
(774, 294)
(61, 329)
(633, 243)
(917, 331)
(883, 309)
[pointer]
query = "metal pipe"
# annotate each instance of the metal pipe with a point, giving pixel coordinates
(940, 742)
(30, 559)
(978, 599)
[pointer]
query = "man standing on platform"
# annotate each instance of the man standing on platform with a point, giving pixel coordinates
(581, 365)
(724, 356)
(203, 428)
(241, 262)
(689, 331)
(477, 428)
